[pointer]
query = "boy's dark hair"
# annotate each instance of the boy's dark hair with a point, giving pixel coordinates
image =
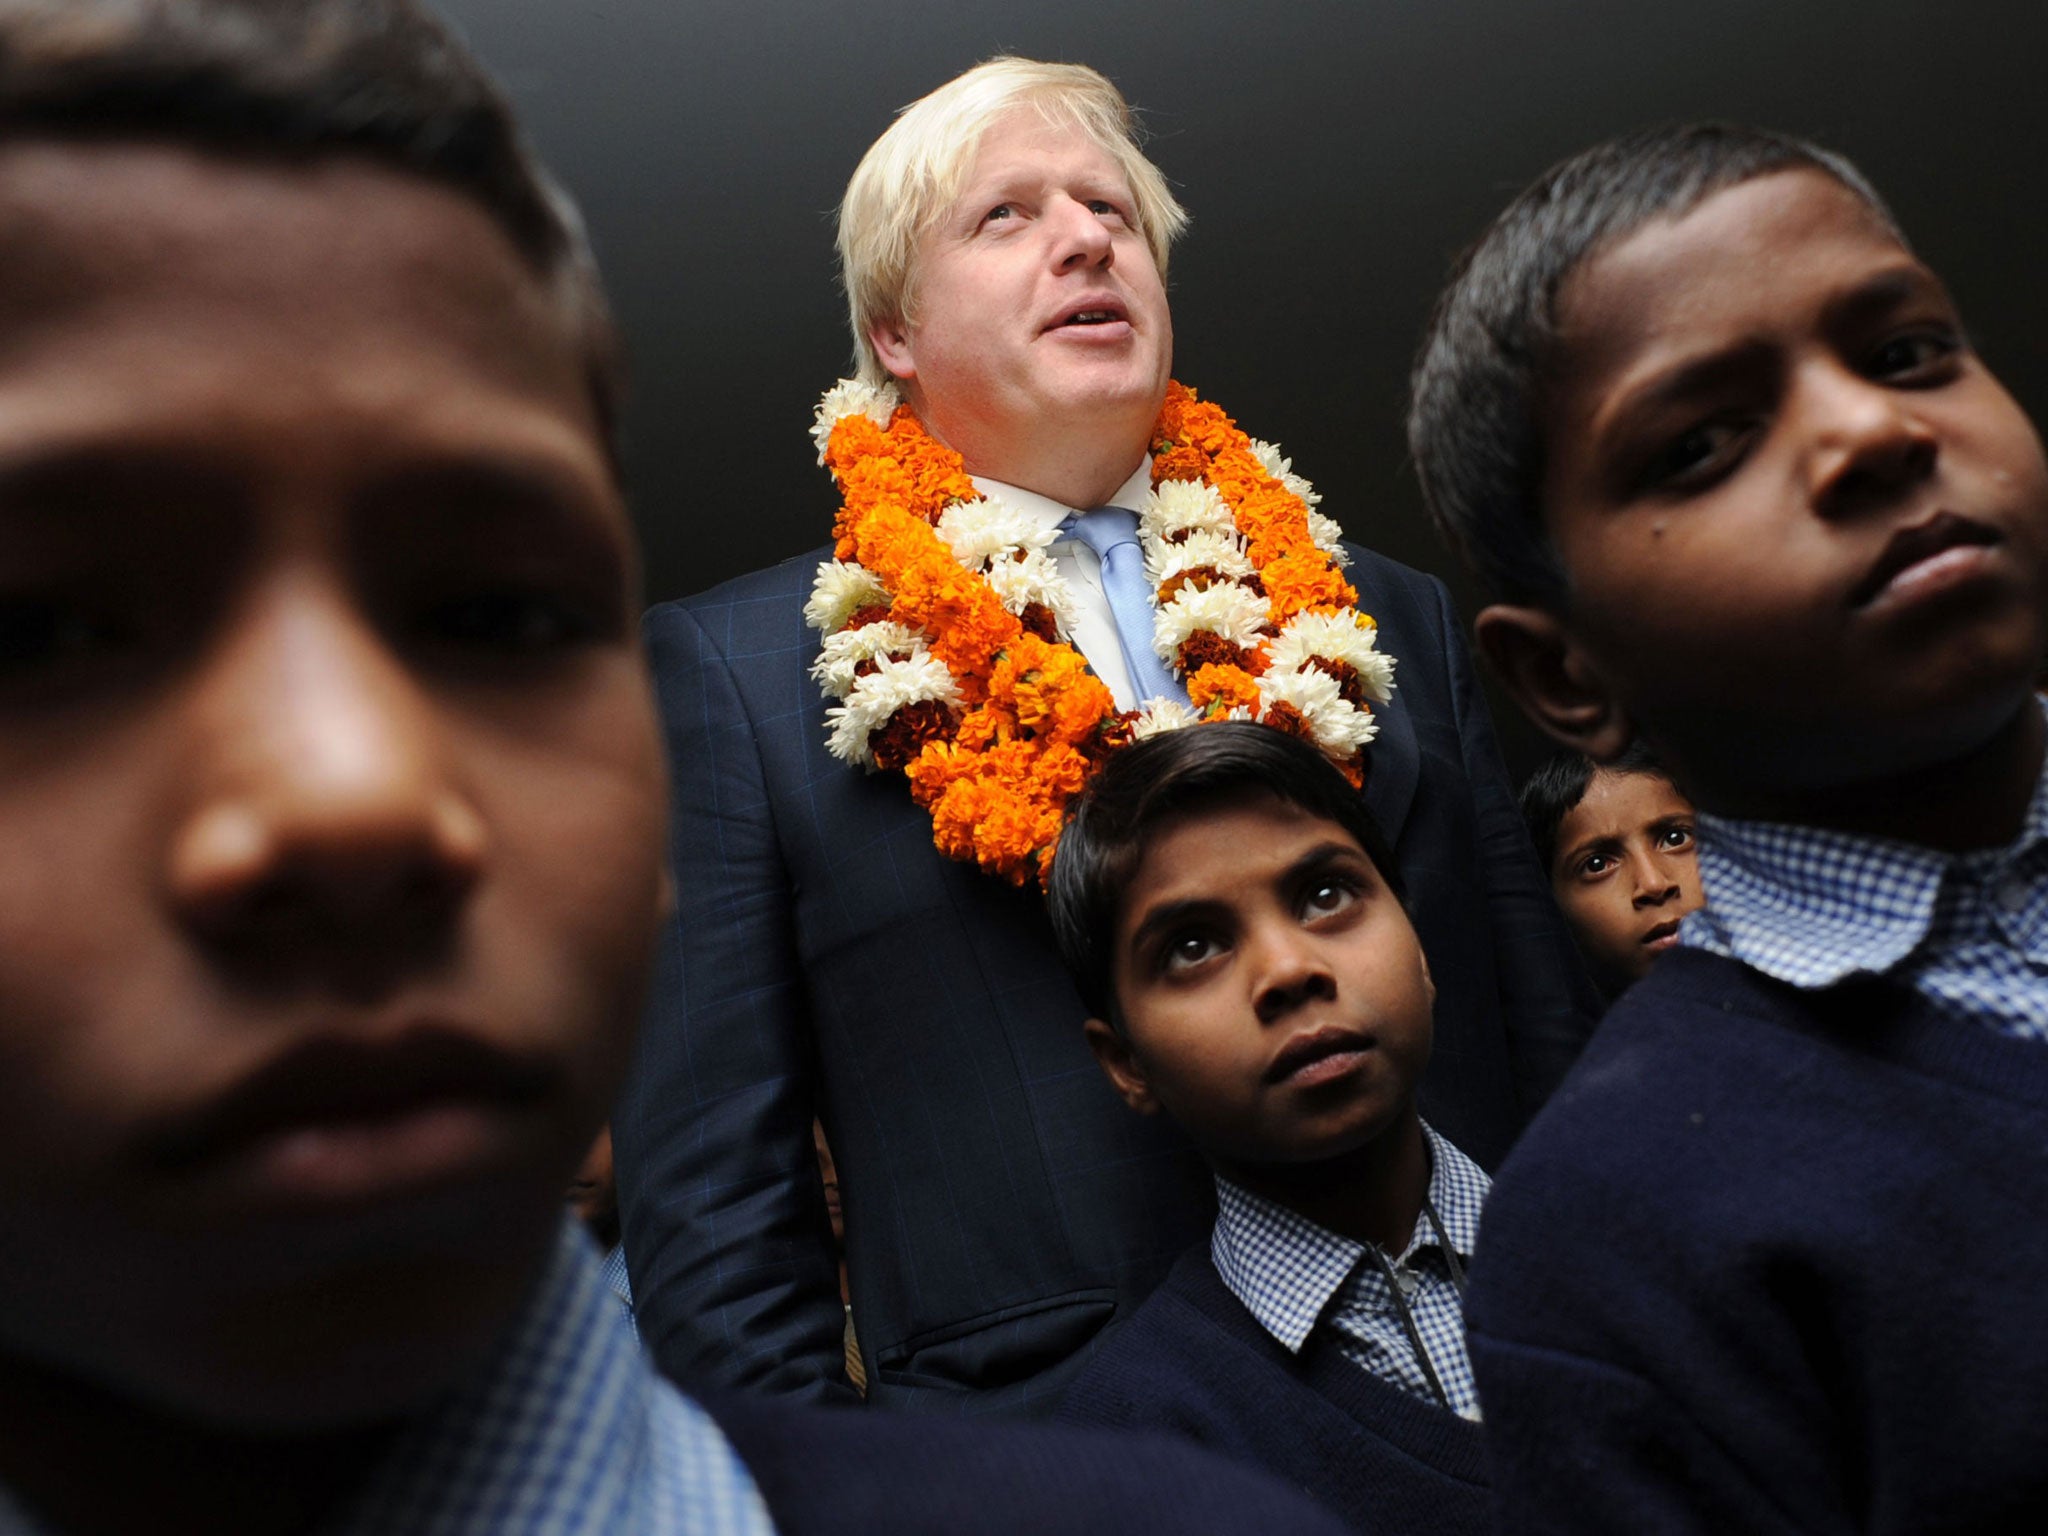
(1559, 783)
(297, 80)
(1476, 398)
(1163, 777)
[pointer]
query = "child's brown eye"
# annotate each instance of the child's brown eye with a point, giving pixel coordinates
(1921, 356)
(37, 633)
(1186, 951)
(511, 621)
(1328, 896)
(1697, 457)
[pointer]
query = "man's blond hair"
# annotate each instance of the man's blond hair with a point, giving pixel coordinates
(913, 174)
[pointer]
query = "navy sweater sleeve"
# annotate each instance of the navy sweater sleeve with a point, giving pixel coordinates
(1764, 1264)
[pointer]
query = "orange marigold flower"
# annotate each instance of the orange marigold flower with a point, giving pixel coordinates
(1216, 690)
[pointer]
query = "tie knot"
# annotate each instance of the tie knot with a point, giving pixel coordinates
(1104, 528)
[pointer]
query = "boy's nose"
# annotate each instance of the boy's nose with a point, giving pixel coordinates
(1870, 442)
(322, 799)
(1653, 883)
(1290, 973)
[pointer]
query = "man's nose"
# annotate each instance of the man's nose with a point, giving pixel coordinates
(1870, 442)
(1080, 238)
(322, 800)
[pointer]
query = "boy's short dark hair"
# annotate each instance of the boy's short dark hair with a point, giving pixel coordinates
(302, 79)
(1162, 777)
(1476, 398)
(1559, 783)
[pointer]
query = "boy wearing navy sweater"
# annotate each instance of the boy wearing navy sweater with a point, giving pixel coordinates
(1234, 922)
(1773, 1259)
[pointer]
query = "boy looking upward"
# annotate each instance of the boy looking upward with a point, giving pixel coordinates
(1772, 1260)
(1233, 920)
(331, 804)
(1618, 842)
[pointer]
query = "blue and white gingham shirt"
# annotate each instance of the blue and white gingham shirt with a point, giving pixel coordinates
(1292, 1275)
(568, 1432)
(1810, 907)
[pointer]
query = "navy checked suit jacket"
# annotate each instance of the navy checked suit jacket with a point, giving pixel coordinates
(1001, 1205)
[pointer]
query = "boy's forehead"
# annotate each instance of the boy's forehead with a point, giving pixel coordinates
(1215, 851)
(1633, 307)
(180, 240)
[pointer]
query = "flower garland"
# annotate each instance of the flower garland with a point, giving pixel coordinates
(945, 622)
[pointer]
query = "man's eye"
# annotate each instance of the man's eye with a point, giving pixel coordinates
(999, 212)
(1698, 456)
(1916, 357)
(512, 621)
(1105, 208)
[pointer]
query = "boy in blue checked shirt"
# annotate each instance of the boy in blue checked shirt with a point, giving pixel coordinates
(331, 803)
(1773, 1259)
(1233, 919)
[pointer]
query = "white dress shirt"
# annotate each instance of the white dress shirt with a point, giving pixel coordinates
(1094, 632)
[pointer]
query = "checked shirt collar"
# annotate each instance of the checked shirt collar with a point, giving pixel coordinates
(1812, 907)
(1289, 1272)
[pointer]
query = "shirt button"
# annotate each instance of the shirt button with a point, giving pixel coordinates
(2013, 892)
(1407, 1281)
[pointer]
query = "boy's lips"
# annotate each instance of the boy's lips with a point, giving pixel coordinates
(1922, 555)
(1661, 937)
(1317, 1055)
(341, 1120)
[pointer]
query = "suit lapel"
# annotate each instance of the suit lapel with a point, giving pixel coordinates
(1395, 766)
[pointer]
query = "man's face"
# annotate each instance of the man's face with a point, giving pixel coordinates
(329, 784)
(1627, 869)
(1037, 306)
(1806, 530)
(1276, 1003)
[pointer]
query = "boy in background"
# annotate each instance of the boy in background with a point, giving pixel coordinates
(332, 808)
(1772, 1260)
(1233, 919)
(1617, 841)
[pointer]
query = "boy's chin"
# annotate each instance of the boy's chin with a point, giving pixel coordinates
(346, 1351)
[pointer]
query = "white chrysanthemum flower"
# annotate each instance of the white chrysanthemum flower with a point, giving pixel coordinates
(1282, 469)
(1228, 610)
(1339, 727)
(1222, 552)
(1034, 579)
(841, 588)
(987, 529)
(876, 697)
(1162, 714)
(1329, 536)
(1347, 636)
(837, 668)
(847, 398)
(1178, 504)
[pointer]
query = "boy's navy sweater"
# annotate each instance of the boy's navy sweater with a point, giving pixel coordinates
(1772, 1261)
(1194, 1361)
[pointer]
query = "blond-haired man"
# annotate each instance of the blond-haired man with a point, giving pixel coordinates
(1004, 248)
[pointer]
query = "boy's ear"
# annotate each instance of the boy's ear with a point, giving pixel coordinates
(1113, 1055)
(1553, 679)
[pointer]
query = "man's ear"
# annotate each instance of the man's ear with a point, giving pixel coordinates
(1113, 1055)
(891, 341)
(1554, 680)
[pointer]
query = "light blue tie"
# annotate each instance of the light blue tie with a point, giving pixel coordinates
(1112, 532)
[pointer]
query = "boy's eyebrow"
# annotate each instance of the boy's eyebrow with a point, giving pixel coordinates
(1708, 373)
(1168, 914)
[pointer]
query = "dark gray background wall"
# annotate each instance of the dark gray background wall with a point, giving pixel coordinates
(1335, 154)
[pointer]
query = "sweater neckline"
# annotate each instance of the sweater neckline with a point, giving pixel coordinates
(1428, 1432)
